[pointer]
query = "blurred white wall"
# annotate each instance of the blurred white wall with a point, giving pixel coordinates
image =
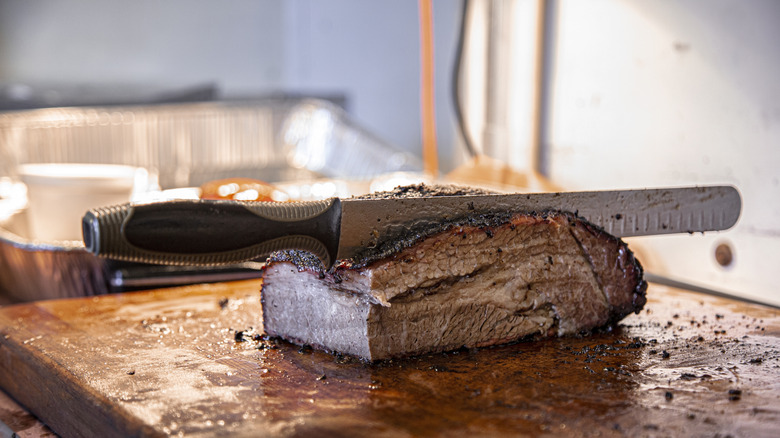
(645, 94)
(669, 93)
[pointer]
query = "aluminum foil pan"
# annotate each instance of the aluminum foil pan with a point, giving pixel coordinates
(277, 140)
(31, 270)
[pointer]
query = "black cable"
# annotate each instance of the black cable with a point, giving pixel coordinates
(456, 77)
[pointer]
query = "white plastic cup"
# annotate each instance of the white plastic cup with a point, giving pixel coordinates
(58, 195)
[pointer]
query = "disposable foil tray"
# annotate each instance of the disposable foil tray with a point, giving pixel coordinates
(183, 145)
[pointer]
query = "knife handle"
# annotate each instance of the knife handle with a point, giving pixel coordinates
(212, 232)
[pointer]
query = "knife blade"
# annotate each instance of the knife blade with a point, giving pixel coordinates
(209, 232)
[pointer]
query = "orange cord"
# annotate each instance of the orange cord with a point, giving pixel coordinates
(429, 149)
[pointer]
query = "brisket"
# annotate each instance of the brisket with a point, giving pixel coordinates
(479, 281)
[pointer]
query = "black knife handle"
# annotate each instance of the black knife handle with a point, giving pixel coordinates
(212, 232)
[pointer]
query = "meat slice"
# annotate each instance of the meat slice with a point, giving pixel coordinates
(471, 283)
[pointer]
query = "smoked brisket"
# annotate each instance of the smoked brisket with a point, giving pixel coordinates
(473, 282)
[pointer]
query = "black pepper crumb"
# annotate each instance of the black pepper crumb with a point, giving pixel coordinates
(223, 302)
(131, 373)
(665, 354)
(669, 395)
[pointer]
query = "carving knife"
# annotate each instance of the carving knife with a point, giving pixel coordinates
(212, 232)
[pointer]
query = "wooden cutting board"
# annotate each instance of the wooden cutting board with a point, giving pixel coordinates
(185, 361)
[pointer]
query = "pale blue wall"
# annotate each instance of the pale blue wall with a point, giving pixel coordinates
(368, 51)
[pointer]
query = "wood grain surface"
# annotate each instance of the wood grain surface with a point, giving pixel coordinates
(191, 362)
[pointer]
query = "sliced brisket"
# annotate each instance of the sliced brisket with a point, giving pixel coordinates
(476, 282)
